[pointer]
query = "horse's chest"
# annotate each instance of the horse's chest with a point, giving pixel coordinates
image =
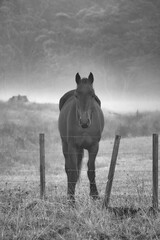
(85, 140)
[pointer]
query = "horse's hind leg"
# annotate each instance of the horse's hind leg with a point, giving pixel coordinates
(91, 170)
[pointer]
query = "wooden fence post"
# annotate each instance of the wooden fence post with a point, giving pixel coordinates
(42, 165)
(111, 171)
(155, 173)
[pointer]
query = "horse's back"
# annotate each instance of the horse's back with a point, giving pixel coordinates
(70, 94)
(65, 97)
(65, 110)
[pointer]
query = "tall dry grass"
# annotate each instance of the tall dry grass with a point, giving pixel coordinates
(24, 216)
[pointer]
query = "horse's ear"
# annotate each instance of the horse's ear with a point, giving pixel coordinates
(78, 78)
(91, 77)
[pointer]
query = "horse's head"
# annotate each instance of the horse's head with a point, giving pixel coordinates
(84, 95)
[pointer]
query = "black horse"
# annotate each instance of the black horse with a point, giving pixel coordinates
(81, 123)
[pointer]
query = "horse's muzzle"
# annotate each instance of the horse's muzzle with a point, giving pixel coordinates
(85, 124)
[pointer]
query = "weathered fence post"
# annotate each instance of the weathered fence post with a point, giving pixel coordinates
(155, 173)
(42, 165)
(111, 171)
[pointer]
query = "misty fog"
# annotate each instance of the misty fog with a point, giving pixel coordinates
(43, 45)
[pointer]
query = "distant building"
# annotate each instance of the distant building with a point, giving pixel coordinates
(18, 99)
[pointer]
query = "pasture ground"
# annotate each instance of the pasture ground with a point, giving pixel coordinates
(24, 216)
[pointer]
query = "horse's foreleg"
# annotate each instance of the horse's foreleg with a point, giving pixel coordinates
(67, 166)
(91, 170)
(72, 171)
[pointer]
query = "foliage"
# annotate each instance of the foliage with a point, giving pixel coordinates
(132, 125)
(21, 123)
(20, 126)
(54, 36)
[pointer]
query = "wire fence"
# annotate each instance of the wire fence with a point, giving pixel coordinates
(133, 173)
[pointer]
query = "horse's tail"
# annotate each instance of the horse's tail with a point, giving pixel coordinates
(79, 165)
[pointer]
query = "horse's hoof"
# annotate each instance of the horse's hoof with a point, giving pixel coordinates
(95, 196)
(71, 204)
(71, 201)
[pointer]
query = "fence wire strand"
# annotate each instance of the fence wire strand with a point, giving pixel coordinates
(59, 176)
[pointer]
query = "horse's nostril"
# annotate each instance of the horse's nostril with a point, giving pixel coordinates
(84, 125)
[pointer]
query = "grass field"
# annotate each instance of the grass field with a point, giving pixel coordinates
(24, 216)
